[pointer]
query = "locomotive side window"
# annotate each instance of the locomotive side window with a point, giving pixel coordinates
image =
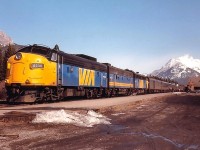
(54, 57)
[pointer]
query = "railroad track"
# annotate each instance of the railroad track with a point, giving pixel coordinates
(17, 117)
(3, 104)
(14, 116)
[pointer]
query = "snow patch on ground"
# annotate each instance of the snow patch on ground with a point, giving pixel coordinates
(117, 114)
(61, 116)
(177, 93)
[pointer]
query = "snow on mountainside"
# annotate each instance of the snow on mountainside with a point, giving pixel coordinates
(5, 39)
(180, 69)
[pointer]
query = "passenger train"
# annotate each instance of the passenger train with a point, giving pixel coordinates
(37, 73)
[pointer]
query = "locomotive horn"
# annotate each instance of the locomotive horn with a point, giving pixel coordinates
(56, 47)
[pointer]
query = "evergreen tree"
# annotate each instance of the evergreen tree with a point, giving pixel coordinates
(8, 53)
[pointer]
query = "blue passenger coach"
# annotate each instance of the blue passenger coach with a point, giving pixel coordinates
(120, 82)
(82, 75)
(141, 83)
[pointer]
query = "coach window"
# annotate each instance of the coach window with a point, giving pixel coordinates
(54, 57)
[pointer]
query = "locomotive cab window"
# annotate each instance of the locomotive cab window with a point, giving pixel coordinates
(35, 50)
(39, 51)
(54, 57)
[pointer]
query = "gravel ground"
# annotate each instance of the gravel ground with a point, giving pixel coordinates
(170, 121)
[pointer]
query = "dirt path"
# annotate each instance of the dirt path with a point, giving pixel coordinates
(169, 122)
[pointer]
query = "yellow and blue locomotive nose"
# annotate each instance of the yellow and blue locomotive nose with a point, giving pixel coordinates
(29, 69)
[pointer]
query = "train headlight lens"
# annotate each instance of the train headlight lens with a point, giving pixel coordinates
(36, 65)
(27, 81)
(18, 56)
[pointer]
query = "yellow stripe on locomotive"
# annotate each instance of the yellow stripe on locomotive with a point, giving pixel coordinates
(30, 69)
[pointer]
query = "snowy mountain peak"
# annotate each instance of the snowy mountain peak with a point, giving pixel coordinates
(190, 62)
(170, 63)
(187, 61)
(5, 39)
(180, 68)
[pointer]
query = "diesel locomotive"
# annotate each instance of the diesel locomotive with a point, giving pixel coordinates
(38, 73)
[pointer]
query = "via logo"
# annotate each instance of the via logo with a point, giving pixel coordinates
(86, 77)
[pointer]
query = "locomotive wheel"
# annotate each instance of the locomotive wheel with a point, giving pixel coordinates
(95, 93)
(108, 93)
(89, 94)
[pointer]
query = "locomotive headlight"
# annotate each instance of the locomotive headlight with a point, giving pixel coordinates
(18, 56)
(36, 65)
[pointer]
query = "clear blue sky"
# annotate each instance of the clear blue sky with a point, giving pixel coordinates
(141, 35)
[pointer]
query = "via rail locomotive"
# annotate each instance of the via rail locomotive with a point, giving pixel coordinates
(38, 73)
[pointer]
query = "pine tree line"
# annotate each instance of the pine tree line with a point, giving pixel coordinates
(4, 55)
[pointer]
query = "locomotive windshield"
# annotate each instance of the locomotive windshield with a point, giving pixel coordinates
(35, 50)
